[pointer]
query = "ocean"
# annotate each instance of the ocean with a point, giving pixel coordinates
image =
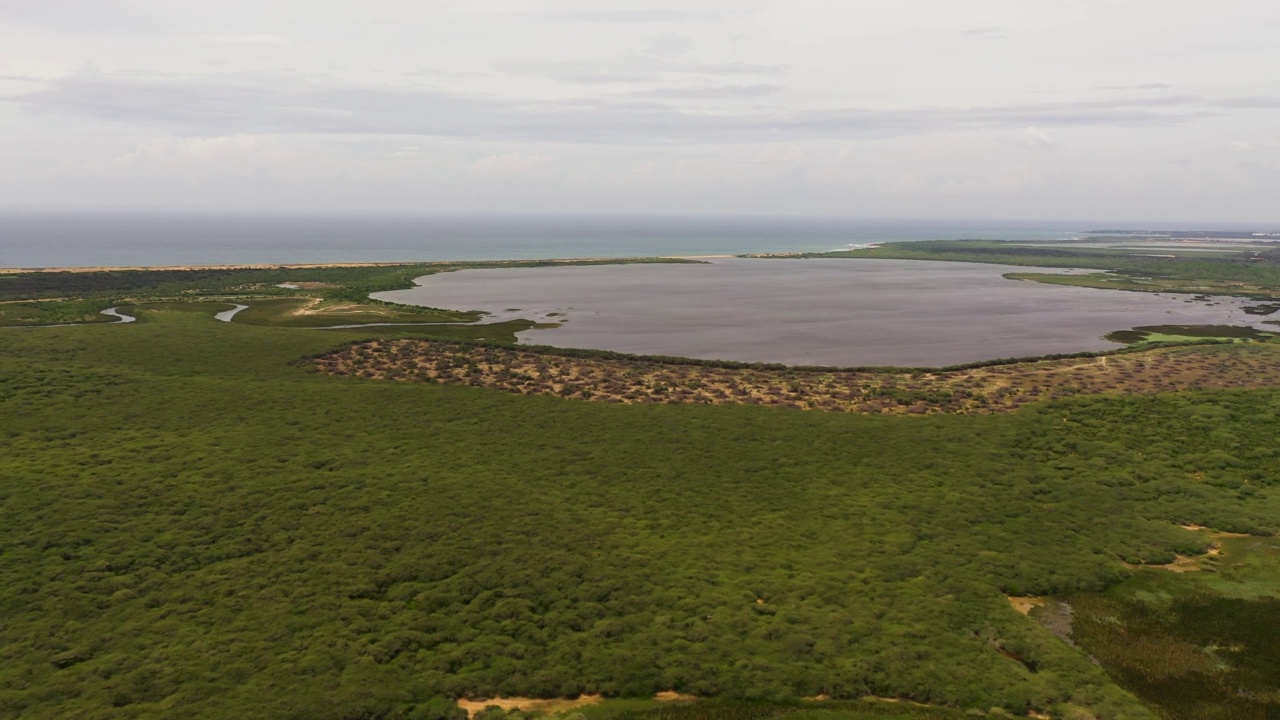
(33, 240)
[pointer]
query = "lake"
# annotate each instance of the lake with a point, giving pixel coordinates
(839, 312)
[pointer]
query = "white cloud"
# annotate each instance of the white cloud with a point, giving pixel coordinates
(1033, 137)
(561, 103)
(510, 165)
(668, 44)
(1015, 178)
(226, 151)
(783, 154)
(250, 39)
(990, 32)
(179, 156)
(1241, 146)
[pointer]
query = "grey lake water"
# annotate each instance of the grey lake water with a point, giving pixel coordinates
(836, 312)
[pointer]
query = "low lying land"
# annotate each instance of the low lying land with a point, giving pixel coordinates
(1192, 644)
(1225, 269)
(298, 296)
(207, 519)
(996, 388)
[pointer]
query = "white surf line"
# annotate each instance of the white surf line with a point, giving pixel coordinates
(226, 315)
(115, 312)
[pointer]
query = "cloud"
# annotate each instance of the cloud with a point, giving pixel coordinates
(93, 17)
(1242, 147)
(22, 79)
(281, 104)
(510, 165)
(783, 154)
(712, 92)
(250, 39)
(628, 17)
(1014, 178)
(234, 154)
(1033, 137)
(643, 69)
(1143, 86)
(990, 32)
(668, 45)
(1257, 101)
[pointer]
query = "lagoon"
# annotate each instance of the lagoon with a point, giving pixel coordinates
(839, 312)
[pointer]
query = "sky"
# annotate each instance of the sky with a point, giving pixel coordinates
(1137, 110)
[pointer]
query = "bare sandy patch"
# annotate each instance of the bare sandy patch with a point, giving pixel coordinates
(308, 309)
(1182, 564)
(1025, 605)
(673, 696)
(536, 705)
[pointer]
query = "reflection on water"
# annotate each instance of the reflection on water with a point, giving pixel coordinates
(815, 312)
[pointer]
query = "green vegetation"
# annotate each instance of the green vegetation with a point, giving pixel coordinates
(52, 312)
(201, 524)
(197, 527)
(1253, 273)
(327, 295)
(1199, 646)
(1148, 334)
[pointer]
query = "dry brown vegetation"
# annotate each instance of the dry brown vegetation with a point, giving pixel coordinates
(997, 388)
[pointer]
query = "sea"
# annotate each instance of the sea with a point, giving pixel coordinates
(36, 240)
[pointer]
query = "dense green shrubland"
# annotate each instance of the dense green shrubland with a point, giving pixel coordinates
(196, 528)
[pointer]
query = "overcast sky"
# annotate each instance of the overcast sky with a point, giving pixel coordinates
(1084, 109)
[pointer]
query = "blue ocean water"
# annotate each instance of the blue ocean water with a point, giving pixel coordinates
(31, 240)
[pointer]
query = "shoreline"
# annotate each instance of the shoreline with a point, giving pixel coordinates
(316, 266)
